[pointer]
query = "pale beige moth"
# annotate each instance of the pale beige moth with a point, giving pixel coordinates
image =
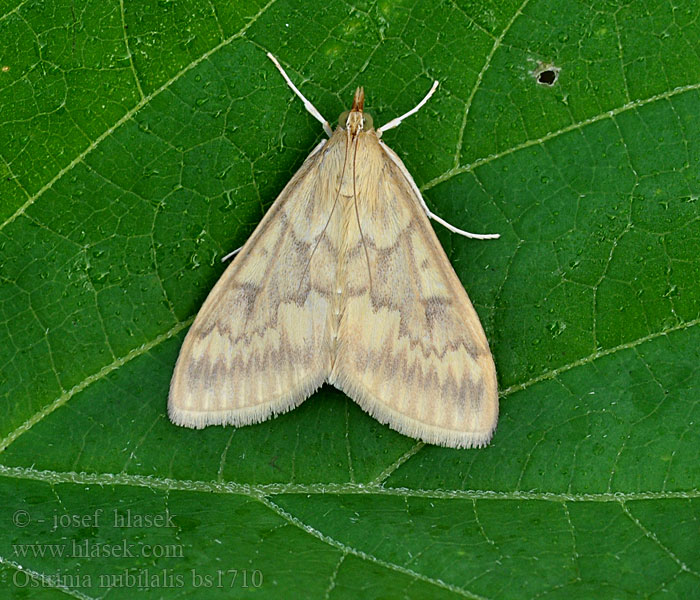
(343, 281)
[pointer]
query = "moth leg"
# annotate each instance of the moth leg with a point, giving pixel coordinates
(453, 229)
(230, 254)
(397, 121)
(310, 107)
(397, 161)
(431, 215)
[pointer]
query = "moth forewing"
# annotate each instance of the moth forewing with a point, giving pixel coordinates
(343, 281)
(411, 349)
(260, 344)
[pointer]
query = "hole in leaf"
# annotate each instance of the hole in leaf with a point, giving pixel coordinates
(546, 74)
(547, 77)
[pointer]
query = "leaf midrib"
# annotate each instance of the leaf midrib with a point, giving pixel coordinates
(263, 493)
(273, 489)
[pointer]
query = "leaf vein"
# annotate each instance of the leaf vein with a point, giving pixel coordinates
(596, 355)
(79, 387)
(364, 555)
(447, 175)
(130, 114)
(270, 489)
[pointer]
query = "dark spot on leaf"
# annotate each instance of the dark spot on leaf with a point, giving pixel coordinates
(547, 77)
(546, 74)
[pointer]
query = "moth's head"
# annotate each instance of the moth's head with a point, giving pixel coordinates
(355, 120)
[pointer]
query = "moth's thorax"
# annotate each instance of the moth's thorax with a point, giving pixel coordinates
(351, 165)
(356, 120)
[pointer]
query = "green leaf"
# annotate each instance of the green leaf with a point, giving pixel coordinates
(141, 142)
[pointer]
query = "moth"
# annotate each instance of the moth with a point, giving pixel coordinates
(343, 281)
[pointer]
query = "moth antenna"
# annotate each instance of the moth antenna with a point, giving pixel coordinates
(310, 107)
(357, 215)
